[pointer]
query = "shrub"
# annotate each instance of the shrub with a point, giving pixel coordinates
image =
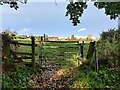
(109, 48)
(7, 47)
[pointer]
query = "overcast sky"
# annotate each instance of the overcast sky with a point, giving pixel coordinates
(37, 18)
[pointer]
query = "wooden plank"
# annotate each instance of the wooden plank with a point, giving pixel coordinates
(26, 44)
(60, 47)
(72, 47)
(56, 52)
(50, 46)
(71, 52)
(23, 57)
(24, 53)
(78, 44)
(67, 47)
(64, 41)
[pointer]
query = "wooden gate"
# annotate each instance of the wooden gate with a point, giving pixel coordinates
(58, 52)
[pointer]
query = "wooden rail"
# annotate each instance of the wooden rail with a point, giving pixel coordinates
(32, 54)
(64, 41)
(23, 57)
(26, 44)
(60, 46)
(23, 53)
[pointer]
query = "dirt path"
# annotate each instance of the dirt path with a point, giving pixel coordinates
(52, 77)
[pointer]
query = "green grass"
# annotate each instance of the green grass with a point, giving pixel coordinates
(51, 53)
(86, 77)
(69, 59)
(68, 56)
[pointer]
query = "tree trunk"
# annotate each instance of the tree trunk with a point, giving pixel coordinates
(119, 21)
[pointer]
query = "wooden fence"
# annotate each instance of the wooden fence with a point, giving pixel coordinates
(31, 54)
(57, 50)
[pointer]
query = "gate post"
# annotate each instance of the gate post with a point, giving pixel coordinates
(40, 51)
(82, 50)
(96, 58)
(33, 51)
(44, 38)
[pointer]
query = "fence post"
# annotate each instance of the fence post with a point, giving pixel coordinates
(40, 51)
(96, 58)
(8, 52)
(33, 51)
(44, 37)
(82, 50)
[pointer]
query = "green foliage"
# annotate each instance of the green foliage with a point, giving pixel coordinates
(13, 4)
(111, 8)
(111, 35)
(109, 48)
(18, 79)
(6, 39)
(7, 47)
(73, 37)
(85, 77)
(75, 10)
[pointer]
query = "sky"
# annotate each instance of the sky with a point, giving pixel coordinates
(38, 18)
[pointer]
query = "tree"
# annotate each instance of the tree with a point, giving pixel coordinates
(12, 34)
(97, 39)
(89, 37)
(73, 37)
(75, 10)
(13, 3)
(111, 35)
(22, 36)
(68, 39)
(80, 39)
(111, 8)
